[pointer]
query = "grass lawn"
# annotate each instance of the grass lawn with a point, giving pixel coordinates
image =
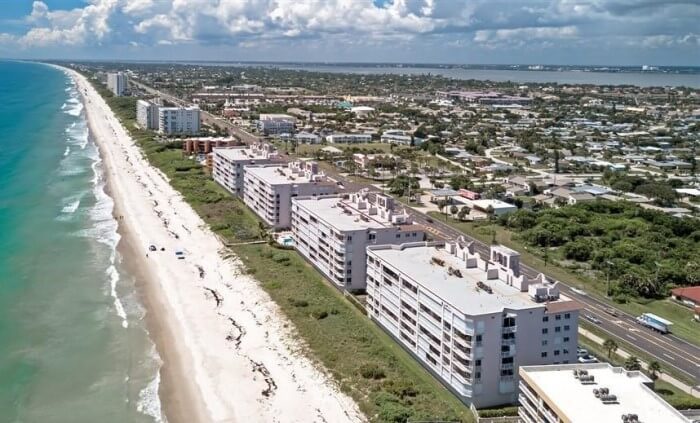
(684, 325)
(384, 380)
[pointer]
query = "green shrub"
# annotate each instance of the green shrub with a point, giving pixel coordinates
(298, 303)
(320, 314)
(372, 371)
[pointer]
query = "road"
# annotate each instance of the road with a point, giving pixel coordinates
(669, 350)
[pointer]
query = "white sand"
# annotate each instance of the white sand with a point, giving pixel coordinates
(258, 374)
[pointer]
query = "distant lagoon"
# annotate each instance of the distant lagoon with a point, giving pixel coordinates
(578, 77)
(641, 79)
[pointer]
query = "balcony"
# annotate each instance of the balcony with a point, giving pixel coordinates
(508, 353)
(509, 329)
(507, 366)
(509, 341)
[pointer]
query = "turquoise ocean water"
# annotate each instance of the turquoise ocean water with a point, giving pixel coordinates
(73, 344)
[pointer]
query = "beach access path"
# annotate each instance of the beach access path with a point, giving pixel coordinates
(230, 355)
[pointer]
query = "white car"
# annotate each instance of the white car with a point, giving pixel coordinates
(587, 359)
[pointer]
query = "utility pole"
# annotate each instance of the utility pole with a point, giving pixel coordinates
(607, 274)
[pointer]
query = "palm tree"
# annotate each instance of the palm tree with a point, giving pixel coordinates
(632, 363)
(653, 368)
(610, 346)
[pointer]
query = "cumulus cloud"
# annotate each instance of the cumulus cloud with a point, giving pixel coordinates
(458, 24)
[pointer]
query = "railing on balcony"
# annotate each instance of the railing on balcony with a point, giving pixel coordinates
(510, 329)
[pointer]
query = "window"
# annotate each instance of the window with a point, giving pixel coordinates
(544, 342)
(566, 327)
(564, 351)
(545, 331)
(557, 329)
(566, 339)
(545, 319)
(398, 235)
(544, 354)
(567, 316)
(556, 352)
(557, 317)
(477, 362)
(372, 236)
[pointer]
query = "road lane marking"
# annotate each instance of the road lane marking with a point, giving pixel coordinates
(632, 337)
(669, 357)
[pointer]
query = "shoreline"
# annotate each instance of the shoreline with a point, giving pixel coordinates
(228, 353)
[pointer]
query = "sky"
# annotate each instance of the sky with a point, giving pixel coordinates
(564, 32)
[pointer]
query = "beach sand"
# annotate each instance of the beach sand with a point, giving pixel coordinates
(228, 353)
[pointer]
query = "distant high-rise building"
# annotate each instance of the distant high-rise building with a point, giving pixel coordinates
(276, 124)
(147, 114)
(117, 83)
(178, 120)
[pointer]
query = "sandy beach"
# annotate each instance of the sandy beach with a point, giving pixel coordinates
(228, 353)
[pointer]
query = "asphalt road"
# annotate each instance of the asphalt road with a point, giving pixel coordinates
(669, 350)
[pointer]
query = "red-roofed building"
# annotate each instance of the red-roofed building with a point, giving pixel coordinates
(689, 295)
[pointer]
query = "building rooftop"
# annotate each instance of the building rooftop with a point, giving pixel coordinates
(575, 401)
(291, 173)
(418, 262)
(345, 214)
(245, 153)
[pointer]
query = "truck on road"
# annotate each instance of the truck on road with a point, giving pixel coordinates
(652, 321)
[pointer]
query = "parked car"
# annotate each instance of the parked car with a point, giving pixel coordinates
(581, 352)
(587, 359)
(152, 248)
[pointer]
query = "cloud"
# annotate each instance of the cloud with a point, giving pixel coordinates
(337, 25)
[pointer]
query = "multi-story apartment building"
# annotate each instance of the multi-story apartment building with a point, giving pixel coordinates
(396, 136)
(147, 114)
(117, 83)
(275, 124)
(583, 393)
(230, 163)
(333, 233)
(349, 138)
(268, 189)
(178, 120)
(470, 320)
(206, 145)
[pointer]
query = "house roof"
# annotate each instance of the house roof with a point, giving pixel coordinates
(691, 293)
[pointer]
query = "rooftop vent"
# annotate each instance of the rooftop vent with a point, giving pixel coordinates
(481, 285)
(438, 261)
(454, 272)
(630, 418)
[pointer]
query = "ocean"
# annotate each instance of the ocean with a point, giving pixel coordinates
(73, 341)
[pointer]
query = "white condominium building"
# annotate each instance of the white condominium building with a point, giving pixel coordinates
(230, 163)
(583, 393)
(396, 136)
(275, 124)
(117, 83)
(178, 120)
(147, 114)
(470, 320)
(349, 138)
(268, 189)
(334, 232)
